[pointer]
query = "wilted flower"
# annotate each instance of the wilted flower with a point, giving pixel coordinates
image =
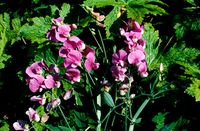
(44, 118)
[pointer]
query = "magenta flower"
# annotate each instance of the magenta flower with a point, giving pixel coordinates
(62, 32)
(119, 58)
(32, 114)
(142, 69)
(35, 83)
(73, 59)
(90, 62)
(74, 43)
(49, 82)
(41, 100)
(35, 69)
(88, 50)
(118, 72)
(51, 34)
(136, 57)
(73, 75)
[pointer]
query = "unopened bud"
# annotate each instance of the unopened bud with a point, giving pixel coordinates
(161, 68)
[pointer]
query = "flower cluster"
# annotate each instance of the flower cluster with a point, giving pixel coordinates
(36, 76)
(133, 54)
(73, 50)
(43, 77)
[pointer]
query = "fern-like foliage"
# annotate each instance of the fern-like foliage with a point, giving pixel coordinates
(161, 124)
(9, 32)
(194, 89)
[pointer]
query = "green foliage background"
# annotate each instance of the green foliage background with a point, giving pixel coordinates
(168, 30)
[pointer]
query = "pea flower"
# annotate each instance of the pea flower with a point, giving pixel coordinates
(73, 75)
(90, 62)
(32, 114)
(41, 100)
(20, 126)
(118, 73)
(73, 59)
(119, 58)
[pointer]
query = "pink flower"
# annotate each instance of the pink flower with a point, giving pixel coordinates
(63, 32)
(19, 126)
(54, 103)
(118, 72)
(73, 59)
(142, 69)
(35, 83)
(57, 21)
(73, 75)
(136, 57)
(41, 100)
(88, 50)
(119, 57)
(35, 69)
(68, 94)
(74, 43)
(32, 114)
(90, 62)
(49, 82)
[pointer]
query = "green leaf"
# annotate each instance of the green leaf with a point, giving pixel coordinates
(180, 30)
(47, 56)
(65, 9)
(36, 1)
(159, 119)
(191, 2)
(52, 128)
(152, 44)
(137, 9)
(194, 89)
(108, 99)
(36, 32)
(66, 84)
(110, 19)
(78, 99)
(4, 126)
(100, 3)
(54, 8)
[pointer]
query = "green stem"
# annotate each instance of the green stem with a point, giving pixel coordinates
(98, 112)
(102, 43)
(131, 127)
(64, 118)
(96, 40)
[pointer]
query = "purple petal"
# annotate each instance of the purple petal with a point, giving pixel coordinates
(73, 75)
